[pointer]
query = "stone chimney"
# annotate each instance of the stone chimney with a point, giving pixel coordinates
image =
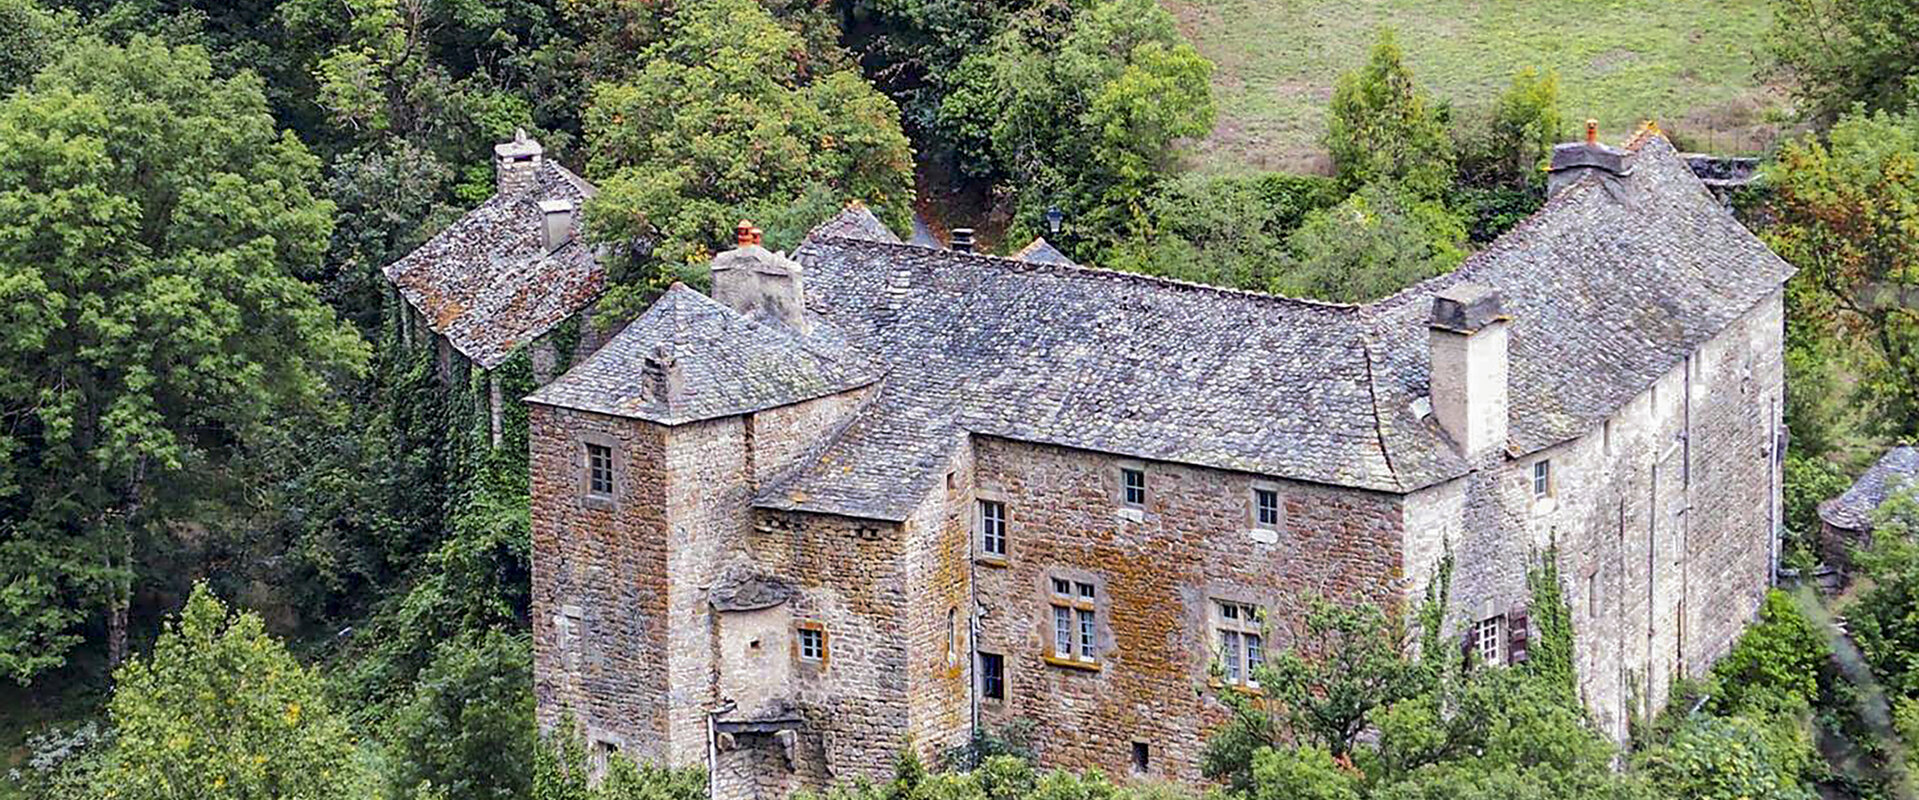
(1468, 341)
(760, 283)
(1575, 160)
(962, 240)
(516, 164)
(556, 228)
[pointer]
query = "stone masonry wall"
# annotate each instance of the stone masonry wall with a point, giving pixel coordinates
(1663, 517)
(599, 580)
(939, 621)
(1157, 577)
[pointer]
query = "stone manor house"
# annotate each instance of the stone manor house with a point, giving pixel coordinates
(874, 493)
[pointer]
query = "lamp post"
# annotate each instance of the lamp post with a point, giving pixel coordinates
(1053, 217)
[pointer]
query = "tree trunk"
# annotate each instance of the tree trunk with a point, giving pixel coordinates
(121, 597)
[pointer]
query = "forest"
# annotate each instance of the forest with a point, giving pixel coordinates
(252, 547)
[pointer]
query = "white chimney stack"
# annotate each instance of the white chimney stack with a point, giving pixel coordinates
(556, 218)
(1469, 368)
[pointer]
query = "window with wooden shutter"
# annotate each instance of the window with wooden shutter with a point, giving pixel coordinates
(1516, 632)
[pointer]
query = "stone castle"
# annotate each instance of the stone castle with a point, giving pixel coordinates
(877, 493)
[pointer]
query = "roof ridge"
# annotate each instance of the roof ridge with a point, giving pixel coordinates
(1103, 272)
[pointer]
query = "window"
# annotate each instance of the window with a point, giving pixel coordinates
(1489, 639)
(1075, 620)
(1142, 756)
(1242, 645)
(812, 644)
(992, 676)
(992, 528)
(1133, 481)
(1542, 479)
(599, 470)
(1266, 508)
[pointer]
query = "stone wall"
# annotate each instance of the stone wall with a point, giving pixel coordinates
(1157, 575)
(1663, 517)
(599, 580)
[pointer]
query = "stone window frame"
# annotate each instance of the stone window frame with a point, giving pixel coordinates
(988, 680)
(1248, 634)
(801, 628)
(584, 442)
(981, 498)
(569, 633)
(1253, 522)
(1086, 618)
(1122, 493)
(1543, 483)
(1142, 763)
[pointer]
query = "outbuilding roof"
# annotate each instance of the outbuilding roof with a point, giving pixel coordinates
(487, 282)
(1896, 471)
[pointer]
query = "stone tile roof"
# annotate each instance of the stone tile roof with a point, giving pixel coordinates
(1611, 284)
(486, 282)
(690, 358)
(1897, 470)
(1040, 251)
(855, 222)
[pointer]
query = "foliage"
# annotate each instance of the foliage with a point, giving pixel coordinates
(1727, 758)
(221, 710)
(1512, 142)
(1349, 662)
(65, 764)
(1382, 128)
(1306, 773)
(1845, 52)
(1374, 243)
(1846, 213)
(996, 778)
(1549, 652)
(1223, 230)
(1778, 665)
(1014, 739)
(142, 195)
(1884, 620)
(469, 728)
(561, 772)
(1089, 118)
(725, 115)
(1808, 481)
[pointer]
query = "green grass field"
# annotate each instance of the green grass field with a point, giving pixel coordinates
(1689, 65)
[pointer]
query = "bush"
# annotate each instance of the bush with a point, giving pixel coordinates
(1371, 245)
(1729, 758)
(1808, 481)
(469, 727)
(1781, 664)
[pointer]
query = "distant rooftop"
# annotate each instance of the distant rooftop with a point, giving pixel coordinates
(1897, 470)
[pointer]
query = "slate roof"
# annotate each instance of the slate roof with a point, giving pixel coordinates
(1040, 251)
(1897, 470)
(690, 358)
(486, 282)
(856, 221)
(1610, 285)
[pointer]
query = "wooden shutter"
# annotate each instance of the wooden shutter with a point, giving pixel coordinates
(1468, 642)
(1516, 633)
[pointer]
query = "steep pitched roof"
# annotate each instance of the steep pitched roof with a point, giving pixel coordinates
(856, 221)
(487, 283)
(1040, 251)
(1897, 470)
(690, 358)
(1611, 284)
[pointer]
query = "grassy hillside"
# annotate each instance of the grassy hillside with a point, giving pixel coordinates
(1688, 65)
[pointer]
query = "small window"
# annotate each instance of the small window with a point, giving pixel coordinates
(1242, 646)
(1266, 507)
(1489, 639)
(601, 757)
(1542, 479)
(1075, 620)
(1134, 481)
(992, 528)
(812, 644)
(992, 676)
(599, 470)
(1142, 757)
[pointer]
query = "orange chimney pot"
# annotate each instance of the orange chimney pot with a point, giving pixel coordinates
(1592, 131)
(743, 233)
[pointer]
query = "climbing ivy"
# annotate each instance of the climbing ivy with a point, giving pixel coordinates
(1550, 655)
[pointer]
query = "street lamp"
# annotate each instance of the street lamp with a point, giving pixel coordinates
(1053, 217)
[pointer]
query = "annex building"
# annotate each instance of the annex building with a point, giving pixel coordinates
(874, 491)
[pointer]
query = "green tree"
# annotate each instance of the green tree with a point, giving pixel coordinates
(1781, 663)
(1846, 213)
(1885, 619)
(469, 728)
(1226, 230)
(1374, 243)
(1839, 53)
(1382, 128)
(1727, 758)
(221, 710)
(1509, 143)
(725, 116)
(152, 224)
